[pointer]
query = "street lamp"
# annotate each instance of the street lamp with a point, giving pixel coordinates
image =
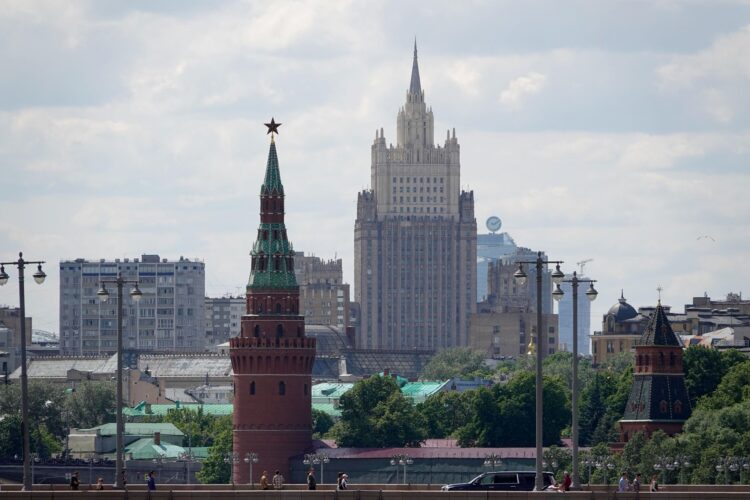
(232, 458)
(39, 276)
(591, 294)
(589, 462)
(158, 463)
(557, 277)
(402, 460)
(317, 458)
(605, 464)
(493, 460)
(682, 462)
(188, 457)
(103, 295)
(250, 459)
(663, 464)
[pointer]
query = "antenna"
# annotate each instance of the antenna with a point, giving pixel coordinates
(659, 289)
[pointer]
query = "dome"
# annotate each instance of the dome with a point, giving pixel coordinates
(622, 310)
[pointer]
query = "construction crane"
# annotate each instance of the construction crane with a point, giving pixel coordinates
(582, 264)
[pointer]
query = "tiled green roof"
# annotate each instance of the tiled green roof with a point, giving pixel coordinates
(146, 449)
(329, 390)
(273, 176)
(417, 391)
(421, 390)
(139, 429)
(143, 409)
(328, 408)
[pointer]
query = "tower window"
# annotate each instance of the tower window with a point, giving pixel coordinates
(663, 406)
(304, 391)
(278, 307)
(256, 331)
(252, 388)
(279, 331)
(282, 388)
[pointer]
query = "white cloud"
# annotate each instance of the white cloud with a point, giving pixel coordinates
(519, 89)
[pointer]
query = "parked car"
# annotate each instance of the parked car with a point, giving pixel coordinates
(503, 481)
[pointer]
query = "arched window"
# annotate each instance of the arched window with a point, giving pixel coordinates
(260, 307)
(279, 331)
(282, 388)
(678, 406)
(278, 307)
(256, 331)
(275, 234)
(276, 263)
(299, 332)
(671, 359)
(661, 359)
(663, 406)
(265, 234)
(304, 391)
(252, 388)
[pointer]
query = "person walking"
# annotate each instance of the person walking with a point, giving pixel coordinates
(278, 480)
(311, 483)
(341, 482)
(74, 481)
(637, 483)
(151, 481)
(100, 483)
(654, 486)
(624, 484)
(567, 481)
(264, 480)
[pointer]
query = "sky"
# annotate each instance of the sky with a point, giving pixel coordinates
(607, 130)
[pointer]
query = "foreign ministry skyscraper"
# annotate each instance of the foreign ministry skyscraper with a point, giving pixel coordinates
(415, 238)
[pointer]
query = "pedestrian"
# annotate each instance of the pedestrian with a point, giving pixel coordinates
(74, 481)
(338, 480)
(654, 486)
(567, 481)
(151, 481)
(624, 484)
(124, 478)
(278, 480)
(637, 483)
(264, 480)
(311, 483)
(100, 483)
(342, 481)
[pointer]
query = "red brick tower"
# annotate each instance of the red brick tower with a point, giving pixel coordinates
(272, 359)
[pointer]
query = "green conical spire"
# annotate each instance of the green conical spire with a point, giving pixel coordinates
(272, 253)
(273, 176)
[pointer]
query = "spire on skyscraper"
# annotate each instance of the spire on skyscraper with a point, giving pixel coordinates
(415, 87)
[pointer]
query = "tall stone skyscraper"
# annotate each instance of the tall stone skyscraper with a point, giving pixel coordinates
(415, 238)
(272, 359)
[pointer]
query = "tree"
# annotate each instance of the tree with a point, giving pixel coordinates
(195, 424)
(445, 412)
(734, 388)
(215, 469)
(560, 364)
(461, 362)
(505, 415)
(375, 414)
(705, 368)
(92, 403)
(321, 423)
(46, 425)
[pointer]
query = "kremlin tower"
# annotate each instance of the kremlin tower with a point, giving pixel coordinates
(272, 359)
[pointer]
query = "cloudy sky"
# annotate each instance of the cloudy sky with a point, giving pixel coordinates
(611, 130)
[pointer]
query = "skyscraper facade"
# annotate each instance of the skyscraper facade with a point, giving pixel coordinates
(272, 359)
(415, 238)
(168, 318)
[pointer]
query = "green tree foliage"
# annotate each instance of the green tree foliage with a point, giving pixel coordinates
(705, 368)
(374, 413)
(47, 428)
(461, 362)
(199, 428)
(215, 469)
(560, 364)
(445, 412)
(734, 388)
(619, 362)
(505, 414)
(321, 423)
(92, 403)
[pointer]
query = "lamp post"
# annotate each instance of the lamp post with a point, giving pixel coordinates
(316, 458)
(605, 464)
(682, 462)
(589, 461)
(663, 464)
(557, 277)
(158, 463)
(493, 460)
(402, 460)
(91, 460)
(232, 458)
(591, 294)
(39, 277)
(188, 457)
(103, 294)
(723, 465)
(252, 458)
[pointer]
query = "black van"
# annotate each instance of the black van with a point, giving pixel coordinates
(503, 481)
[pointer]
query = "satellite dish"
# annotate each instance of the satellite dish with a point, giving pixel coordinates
(494, 223)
